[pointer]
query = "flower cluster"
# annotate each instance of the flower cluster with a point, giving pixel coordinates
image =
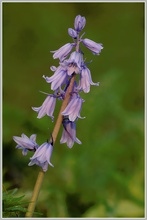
(70, 63)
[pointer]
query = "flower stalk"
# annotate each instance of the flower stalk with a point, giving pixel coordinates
(35, 194)
(64, 104)
(56, 129)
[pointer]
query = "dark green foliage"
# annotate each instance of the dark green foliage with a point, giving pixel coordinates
(12, 204)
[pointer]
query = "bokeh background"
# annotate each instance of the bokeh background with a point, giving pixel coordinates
(103, 177)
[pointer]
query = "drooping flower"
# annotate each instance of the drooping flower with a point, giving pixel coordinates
(74, 63)
(63, 51)
(26, 144)
(86, 80)
(42, 156)
(47, 108)
(69, 133)
(79, 23)
(72, 33)
(93, 46)
(58, 79)
(74, 107)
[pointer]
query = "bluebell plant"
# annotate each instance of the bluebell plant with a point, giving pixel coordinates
(69, 79)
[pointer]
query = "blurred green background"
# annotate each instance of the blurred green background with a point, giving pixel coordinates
(103, 177)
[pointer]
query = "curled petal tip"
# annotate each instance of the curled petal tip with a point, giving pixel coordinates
(51, 164)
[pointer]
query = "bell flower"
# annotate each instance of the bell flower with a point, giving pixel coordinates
(74, 107)
(93, 46)
(42, 156)
(47, 108)
(69, 133)
(63, 52)
(74, 63)
(58, 78)
(26, 144)
(86, 80)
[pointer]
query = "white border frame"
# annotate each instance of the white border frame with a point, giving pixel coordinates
(1, 91)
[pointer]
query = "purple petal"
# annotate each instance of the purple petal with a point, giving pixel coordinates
(63, 52)
(74, 63)
(69, 134)
(76, 58)
(85, 80)
(73, 108)
(33, 137)
(93, 46)
(36, 109)
(23, 142)
(47, 107)
(79, 23)
(42, 156)
(78, 141)
(59, 81)
(24, 152)
(53, 68)
(72, 33)
(26, 144)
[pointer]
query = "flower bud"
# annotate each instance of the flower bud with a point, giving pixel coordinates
(79, 23)
(72, 33)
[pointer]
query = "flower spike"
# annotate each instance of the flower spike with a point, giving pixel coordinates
(71, 77)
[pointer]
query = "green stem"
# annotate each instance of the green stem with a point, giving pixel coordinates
(55, 132)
